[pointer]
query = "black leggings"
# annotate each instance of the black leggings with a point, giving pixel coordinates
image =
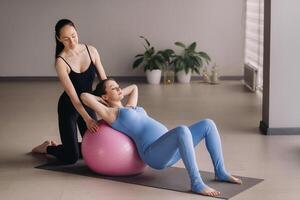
(68, 119)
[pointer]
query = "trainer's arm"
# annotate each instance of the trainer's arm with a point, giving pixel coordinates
(97, 62)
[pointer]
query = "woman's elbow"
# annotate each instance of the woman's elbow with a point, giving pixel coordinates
(84, 96)
(135, 87)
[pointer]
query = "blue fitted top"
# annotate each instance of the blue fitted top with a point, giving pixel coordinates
(141, 128)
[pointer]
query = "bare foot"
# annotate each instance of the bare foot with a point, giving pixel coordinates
(231, 179)
(235, 180)
(53, 143)
(208, 191)
(42, 148)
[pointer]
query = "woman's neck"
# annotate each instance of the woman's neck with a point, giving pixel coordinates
(115, 104)
(71, 52)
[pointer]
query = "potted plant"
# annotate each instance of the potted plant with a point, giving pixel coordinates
(152, 62)
(168, 68)
(189, 61)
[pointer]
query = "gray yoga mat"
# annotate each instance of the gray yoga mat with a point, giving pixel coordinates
(172, 178)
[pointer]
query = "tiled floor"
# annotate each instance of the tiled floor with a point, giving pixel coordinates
(28, 117)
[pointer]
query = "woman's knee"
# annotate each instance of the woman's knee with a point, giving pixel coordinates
(183, 131)
(210, 126)
(208, 122)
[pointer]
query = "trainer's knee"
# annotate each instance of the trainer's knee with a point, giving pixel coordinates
(71, 158)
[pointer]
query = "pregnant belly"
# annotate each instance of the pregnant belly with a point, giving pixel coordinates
(150, 133)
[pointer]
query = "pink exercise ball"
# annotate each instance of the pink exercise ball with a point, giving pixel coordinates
(110, 152)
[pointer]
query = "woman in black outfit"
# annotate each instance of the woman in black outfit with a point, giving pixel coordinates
(76, 65)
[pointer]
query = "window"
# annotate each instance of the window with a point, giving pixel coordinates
(254, 38)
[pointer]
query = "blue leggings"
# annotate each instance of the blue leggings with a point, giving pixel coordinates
(179, 143)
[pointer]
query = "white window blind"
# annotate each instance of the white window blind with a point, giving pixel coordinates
(255, 36)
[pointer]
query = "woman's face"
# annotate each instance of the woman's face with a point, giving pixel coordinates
(113, 91)
(68, 36)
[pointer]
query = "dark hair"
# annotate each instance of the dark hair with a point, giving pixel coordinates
(59, 25)
(101, 87)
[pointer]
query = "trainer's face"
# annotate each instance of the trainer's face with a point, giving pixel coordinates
(113, 91)
(68, 36)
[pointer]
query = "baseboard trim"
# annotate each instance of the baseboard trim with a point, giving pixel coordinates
(223, 78)
(28, 78)
(139, 79)
(278, 131)
(231, 78)
(118, 78)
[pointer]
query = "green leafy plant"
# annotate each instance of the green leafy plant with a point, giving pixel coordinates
(167, 55)
(149, 59)
(190, 59)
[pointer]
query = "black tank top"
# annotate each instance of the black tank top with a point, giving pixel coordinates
(83, 81)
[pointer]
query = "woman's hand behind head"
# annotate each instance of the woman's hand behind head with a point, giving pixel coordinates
(102, 101)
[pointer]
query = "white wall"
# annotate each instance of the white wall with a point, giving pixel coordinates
(284, 109)
(113, 26)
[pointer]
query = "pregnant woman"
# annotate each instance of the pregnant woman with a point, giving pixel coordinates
(157, 146)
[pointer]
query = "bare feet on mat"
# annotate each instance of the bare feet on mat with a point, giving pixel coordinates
(235, 180)
(42, 148)
(231, 179)
(208, 191)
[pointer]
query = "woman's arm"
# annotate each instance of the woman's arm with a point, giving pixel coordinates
(107, 114)
(97, 62)
(132, 92)
(61, 69)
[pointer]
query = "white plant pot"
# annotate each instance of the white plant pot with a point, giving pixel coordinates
(154, 76)
(182, 77)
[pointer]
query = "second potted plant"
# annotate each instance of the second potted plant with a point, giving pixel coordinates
(151, 61)
(189, 61)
